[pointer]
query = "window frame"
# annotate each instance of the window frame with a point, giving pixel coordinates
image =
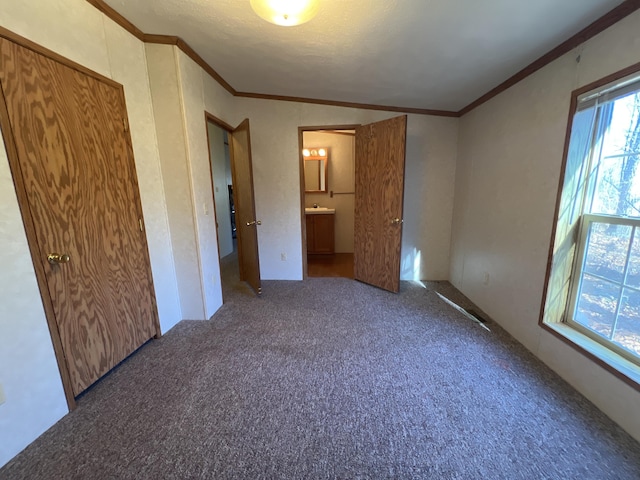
(586, 220)
(605, 357)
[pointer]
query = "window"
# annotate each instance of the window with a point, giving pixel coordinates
(594, 280)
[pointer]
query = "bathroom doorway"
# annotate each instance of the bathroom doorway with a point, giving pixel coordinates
(375, 202)
(327, 195)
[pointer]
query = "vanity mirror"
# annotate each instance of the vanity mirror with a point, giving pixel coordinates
(316, 161)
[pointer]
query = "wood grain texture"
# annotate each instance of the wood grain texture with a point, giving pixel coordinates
(336, 265)
(325, 236)
(81, 186)
(244, 201)
(320, 234)
(379, 181)
(25, 42)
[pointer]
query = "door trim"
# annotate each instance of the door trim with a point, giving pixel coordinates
(303, 223)
(25, 210)
(210, 118)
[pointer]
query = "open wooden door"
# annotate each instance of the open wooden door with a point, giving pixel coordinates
(66, 133)
(380, 157)
(246, 223)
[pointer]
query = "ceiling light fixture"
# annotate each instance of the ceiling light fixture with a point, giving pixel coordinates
(286, 13)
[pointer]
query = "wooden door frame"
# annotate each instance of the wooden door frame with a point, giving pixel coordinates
(210, 118)
(25, 210)
(303, 219)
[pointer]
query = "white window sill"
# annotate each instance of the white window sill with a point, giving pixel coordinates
(612, 359)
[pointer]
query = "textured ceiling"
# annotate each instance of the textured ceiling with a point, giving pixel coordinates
(430, 54)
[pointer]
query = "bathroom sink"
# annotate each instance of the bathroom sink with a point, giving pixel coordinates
(319, 211)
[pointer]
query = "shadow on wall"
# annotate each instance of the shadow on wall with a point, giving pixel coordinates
(413, 210)
(410, 266)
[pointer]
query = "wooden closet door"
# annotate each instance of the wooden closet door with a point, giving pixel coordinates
(77, 166)
(380, 159)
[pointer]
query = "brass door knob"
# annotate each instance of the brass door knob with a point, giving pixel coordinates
(396, 221)
(56, 258)
(255, 222)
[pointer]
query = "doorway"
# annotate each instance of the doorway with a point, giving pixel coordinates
(222, 183)
(378, 174)
(328, 157)
(236, 225)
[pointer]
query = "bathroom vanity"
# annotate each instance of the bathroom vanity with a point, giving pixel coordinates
(320, 230)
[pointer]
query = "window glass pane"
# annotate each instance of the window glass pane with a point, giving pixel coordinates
(633, 273)
(627, 333)
(597, 302)
(576, 170)
(607, 247)
(617, 190)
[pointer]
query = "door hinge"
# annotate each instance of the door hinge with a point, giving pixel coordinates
(125, 124)
(140, 223)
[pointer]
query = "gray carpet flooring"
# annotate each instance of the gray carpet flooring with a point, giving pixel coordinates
(332, 379)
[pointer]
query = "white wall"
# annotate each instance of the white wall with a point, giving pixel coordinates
(341, 178)
(182, 92)
(218, 153)
(167, 108)
(28, 370)
(510, 155)
(191, 81)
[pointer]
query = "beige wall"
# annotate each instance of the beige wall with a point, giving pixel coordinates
(28, 370)
(341, 178)
(167, 109)
(510, 155)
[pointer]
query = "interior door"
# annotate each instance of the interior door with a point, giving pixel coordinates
(75, 159)
(246, 223)
(380, 158)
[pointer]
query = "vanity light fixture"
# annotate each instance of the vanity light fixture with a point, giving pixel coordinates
(314, 152)
(286, 13)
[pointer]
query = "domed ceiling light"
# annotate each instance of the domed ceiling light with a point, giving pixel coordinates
(286, 13)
